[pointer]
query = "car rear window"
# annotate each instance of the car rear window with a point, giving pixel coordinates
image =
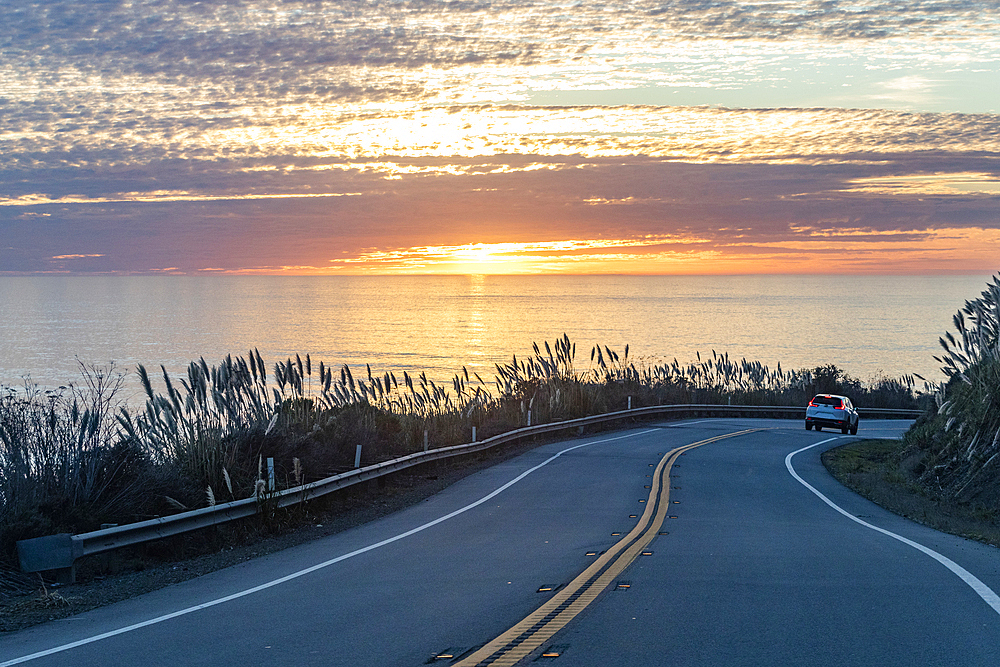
(826, 400)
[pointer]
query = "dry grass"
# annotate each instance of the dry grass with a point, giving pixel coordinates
(958, 444)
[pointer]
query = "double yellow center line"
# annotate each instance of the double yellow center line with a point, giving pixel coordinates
(528, 635)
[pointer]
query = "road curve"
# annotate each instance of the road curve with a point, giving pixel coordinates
(755, 568)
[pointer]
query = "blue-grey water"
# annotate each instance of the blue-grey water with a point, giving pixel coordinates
(867, 325)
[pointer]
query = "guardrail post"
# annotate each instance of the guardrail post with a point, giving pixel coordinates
(473, 434)
(529, 417)
(629, 402)
(270, 474)
(425, 440)
(357, 457)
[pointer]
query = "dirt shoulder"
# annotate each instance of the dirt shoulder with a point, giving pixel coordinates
(880, 471)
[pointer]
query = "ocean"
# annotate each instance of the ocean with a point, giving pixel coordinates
(866, 325)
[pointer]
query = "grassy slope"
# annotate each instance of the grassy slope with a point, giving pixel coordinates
(877, 470)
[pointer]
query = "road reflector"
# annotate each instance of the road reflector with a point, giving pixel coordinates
(547, 588)
(633, 516)
(554, 651)
(559, 609)
(647, 553)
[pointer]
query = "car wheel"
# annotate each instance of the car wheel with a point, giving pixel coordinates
(818, 427)
(809, 426)
(854, 429)
(845, 429)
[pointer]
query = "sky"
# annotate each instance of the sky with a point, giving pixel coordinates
(507, 136)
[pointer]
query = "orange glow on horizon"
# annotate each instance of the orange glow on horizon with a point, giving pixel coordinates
(811, 251)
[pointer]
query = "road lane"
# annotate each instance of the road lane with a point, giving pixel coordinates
(971, 580)
(759, 571)
(528, 636)
(398, 604)
(755, 570)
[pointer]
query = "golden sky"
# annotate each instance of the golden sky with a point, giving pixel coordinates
(518, 136)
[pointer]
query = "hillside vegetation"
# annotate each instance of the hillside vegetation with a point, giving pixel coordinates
(954, 449)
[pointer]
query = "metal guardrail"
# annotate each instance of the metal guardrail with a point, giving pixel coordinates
(58, 553)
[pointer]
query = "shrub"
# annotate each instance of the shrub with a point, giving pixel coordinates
(959, 437)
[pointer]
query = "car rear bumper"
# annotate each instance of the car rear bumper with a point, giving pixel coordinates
(821, 421)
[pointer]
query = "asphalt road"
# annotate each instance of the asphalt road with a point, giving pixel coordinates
(755, 569)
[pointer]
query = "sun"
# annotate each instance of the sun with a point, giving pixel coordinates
(483, 258)
(481, 253)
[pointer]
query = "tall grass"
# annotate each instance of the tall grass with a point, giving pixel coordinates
(550, 383)
(63, 462)
(205, 428)
(203, 435)
(959, 442)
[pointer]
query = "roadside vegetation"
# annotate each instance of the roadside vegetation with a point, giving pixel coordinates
(958, 443)
(884, 471)
(76, 458)
(945, 472)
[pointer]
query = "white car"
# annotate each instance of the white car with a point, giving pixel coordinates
(833, 411)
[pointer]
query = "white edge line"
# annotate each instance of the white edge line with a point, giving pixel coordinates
(308, 570)
(981, 589)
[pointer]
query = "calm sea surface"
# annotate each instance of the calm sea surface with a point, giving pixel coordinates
(867, 325)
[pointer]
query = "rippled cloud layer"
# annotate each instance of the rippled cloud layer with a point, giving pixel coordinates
(484, 136)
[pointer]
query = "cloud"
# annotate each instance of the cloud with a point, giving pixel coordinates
(574, 212)
(224, 54)
(906, 90)
(226, 136)
(316, 136)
